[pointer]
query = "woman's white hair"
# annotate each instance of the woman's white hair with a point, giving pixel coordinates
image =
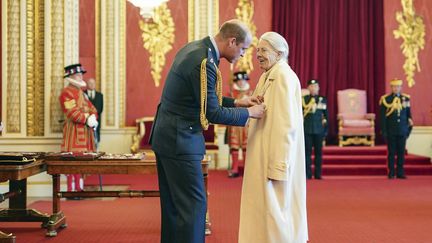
(277, 42)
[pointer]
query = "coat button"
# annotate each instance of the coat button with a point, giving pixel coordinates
(398, 120)
(190, 128)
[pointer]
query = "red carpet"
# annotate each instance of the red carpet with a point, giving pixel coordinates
(340, 210)
(368, 161)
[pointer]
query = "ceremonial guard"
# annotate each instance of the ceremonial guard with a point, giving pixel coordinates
(238, 135)
(80, 119)
(396, 124)
(315, 127)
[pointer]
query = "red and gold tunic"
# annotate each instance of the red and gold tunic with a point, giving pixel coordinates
(77, 136)
(238, 135)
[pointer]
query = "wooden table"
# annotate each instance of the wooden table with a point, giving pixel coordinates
(17, 212)
(145, 166)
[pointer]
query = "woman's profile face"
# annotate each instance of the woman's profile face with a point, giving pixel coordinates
(267, 56)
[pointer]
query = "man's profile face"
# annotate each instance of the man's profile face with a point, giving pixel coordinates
(237, 50)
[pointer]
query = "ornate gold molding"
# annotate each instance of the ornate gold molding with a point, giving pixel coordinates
(35, 67)
(122, 63)
(111, 59)
(57, 55)
(245, 12)
(158, 37)
(13, 100)
(203, 18)
(109, 70)
(357, 140)
(98, 43)
(412, 31)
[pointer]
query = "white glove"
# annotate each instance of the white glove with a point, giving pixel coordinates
(92, 121)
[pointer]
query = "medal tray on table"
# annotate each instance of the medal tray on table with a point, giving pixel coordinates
(73, 156)
(18, 158)
(138, 156)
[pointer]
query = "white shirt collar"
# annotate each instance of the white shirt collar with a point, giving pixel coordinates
(215, 47)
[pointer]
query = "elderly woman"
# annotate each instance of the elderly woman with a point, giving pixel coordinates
(273, 203)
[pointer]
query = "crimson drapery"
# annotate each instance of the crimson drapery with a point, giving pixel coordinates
(338, 42)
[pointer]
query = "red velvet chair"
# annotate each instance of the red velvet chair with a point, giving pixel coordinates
(140, 141)
(356, 126)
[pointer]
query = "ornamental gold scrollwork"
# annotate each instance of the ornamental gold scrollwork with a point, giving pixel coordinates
(245, 12)
(412, 31)
(158, 38)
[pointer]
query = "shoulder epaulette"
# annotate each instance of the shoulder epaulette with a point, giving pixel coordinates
(406, 95)
(383, 98)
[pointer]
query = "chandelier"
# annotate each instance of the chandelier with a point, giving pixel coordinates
(147, 6)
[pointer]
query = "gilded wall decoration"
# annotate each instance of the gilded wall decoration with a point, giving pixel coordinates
(13, 100)
(35, 67)
(203, 18)
(98, 43)
(245, 12)
(412, 31)
(71, 31)
(111, 59)
(109, 70)
(158, 37)
(122, 64)
(57, 54)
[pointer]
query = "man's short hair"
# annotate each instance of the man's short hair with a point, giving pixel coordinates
(234, 28)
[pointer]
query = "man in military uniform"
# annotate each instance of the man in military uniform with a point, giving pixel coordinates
(396, 124)
(315, 127)
(191, 98)
(80, 122)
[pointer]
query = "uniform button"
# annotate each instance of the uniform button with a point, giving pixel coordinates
(398, 120)
(190, 128)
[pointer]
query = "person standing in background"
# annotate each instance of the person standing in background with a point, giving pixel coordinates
(80, 120)
(238, 135)
(396, 124)
(96, 98)
(315, 127)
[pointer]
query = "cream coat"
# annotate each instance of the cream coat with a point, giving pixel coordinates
(275, 210)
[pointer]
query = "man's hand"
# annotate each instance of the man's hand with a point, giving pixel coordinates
(92, 121)
(410, 122)
(257, 111)
(247, 102)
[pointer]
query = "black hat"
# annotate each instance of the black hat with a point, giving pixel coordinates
(312, 81)
(72, 69)
(240, 76)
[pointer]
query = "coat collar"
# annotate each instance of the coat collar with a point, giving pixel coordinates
(211, 50)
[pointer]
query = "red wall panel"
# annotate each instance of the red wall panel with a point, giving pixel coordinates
(141, 92)
(421, 98)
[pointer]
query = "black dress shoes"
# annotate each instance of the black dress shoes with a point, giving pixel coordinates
(401, 177)
(233, 174)
(74, 198)
(390, 177)
(318, 177)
